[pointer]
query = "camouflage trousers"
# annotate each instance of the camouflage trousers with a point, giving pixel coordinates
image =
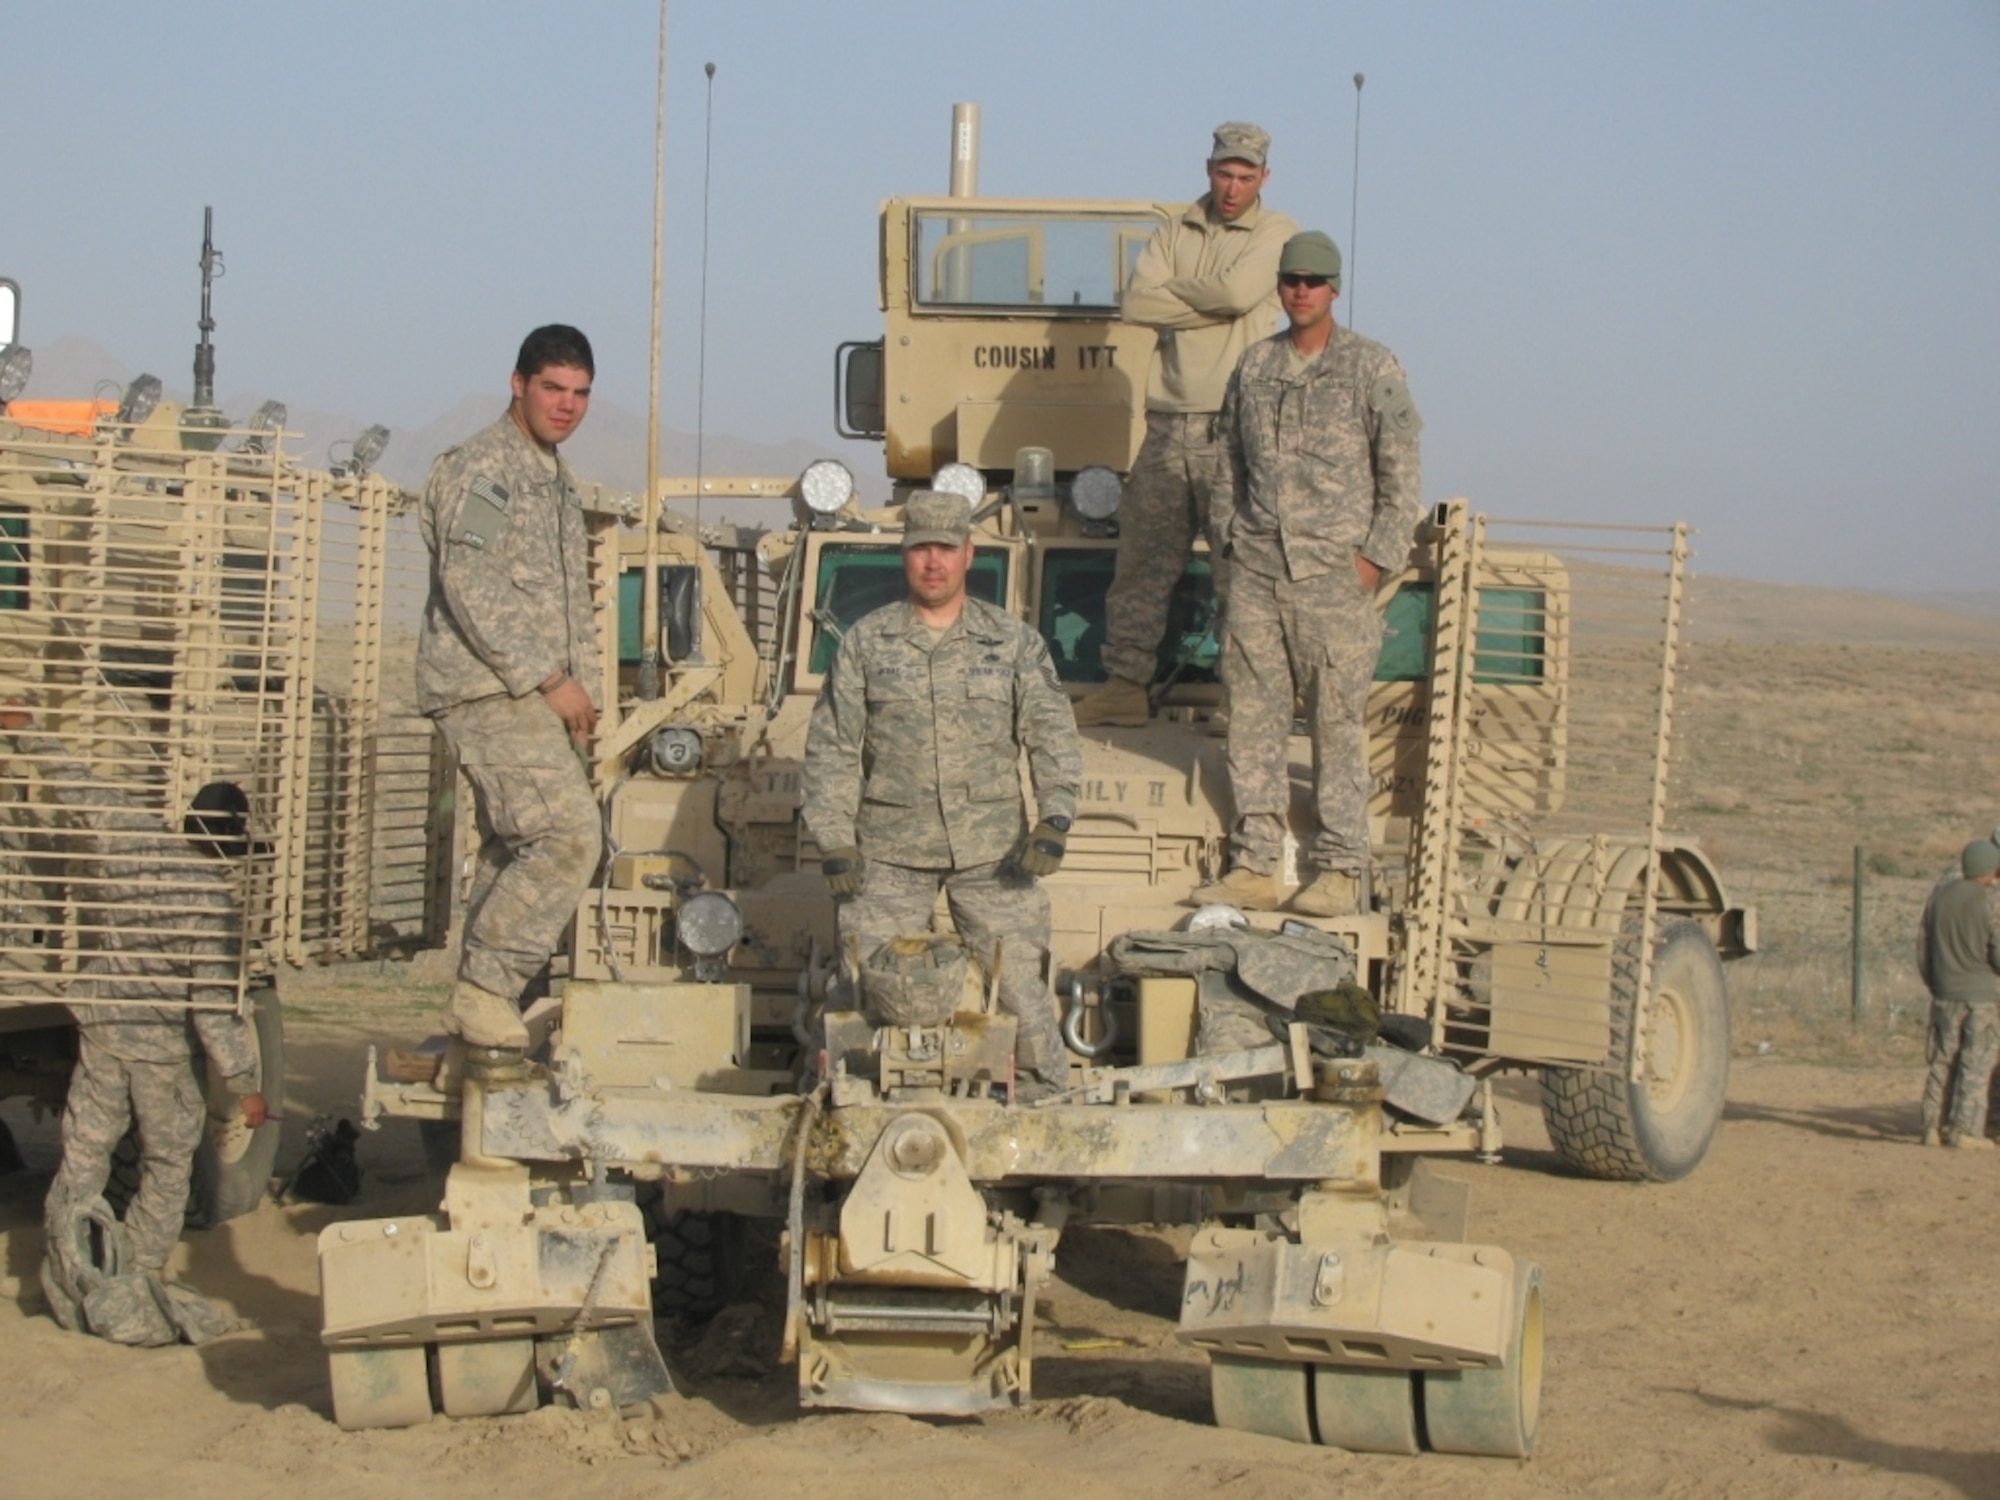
(1165, 508)
(106, 1095)
(1963, 1044)
(989, 904)
(539, 837)
(1315, 639)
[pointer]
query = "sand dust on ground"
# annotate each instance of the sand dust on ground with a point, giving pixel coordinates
(1816, 1312)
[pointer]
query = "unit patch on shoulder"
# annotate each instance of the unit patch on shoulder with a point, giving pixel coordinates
(1391, 397)
(483, 515)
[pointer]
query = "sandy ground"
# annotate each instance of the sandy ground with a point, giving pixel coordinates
(1815, 1312)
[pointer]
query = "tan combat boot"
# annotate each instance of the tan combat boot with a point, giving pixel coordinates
(1242, 887)
(1971, 1143)
(482, 1019)
(1120, 703)
(1332, 894)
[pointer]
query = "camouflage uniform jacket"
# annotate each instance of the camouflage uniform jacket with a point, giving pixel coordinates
(510, 603)
(913, 754)
(168, 918)
(1209, 289)
(1322, 461)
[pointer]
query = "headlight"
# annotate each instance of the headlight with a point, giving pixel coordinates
(826, 486)
(961, 479)
(1219, 915)
(710, 924)
(15, 367)
(141, 396)
(1095, 492)
(675, 750)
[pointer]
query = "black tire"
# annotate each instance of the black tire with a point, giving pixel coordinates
(231, 1178)
(700, 1257)
(1658, 1129)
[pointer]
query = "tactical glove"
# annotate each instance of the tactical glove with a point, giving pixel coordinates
(844, 870)
(1042, 855)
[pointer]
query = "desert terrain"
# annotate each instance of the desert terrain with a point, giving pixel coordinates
(1815, 1312)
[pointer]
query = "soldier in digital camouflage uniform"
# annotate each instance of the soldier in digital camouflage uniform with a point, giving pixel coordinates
(1321, 493)
(162, 925)
(1958, 953)
(1206, 283)
(912, 778)
(507, 665)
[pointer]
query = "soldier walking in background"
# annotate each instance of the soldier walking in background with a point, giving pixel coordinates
(912, 779)
(1205, 284)
(1318, 494)
(1959, 954)
(507, 665)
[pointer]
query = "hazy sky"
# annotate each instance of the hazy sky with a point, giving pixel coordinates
(1734, 263)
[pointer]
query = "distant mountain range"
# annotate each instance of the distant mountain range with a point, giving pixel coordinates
(610, 448)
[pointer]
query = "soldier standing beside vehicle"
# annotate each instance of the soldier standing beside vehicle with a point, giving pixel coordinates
(167, 933)
(912, 777)
(507, 665)
(1319, 494)
(1205, 284)
(1960, 957)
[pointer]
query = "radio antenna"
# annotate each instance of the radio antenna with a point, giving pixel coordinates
(1354, 202)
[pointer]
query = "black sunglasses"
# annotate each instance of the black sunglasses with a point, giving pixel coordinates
(1301, 278)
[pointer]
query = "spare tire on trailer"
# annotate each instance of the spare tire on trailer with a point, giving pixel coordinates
(1658, 1129)
(233, 1165)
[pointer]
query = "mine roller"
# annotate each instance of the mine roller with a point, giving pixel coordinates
(712, 1058)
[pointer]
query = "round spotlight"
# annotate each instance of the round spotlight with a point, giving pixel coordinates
(710, 924)
(826, 486)
(675, 750)
(961, 479)
(141, 396)
(1215, 917)
(16, 365)
(1095, 492)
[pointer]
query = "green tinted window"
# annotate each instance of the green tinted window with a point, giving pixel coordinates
(1074, 585)
(13, 560)
(1510, 644)
(855, 580)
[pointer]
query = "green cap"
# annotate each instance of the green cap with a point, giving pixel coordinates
(1239, 140)
(1980, 859)
(1312, 253)
(934, 516)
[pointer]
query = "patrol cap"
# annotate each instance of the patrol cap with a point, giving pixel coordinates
(934, 516)
(1239, 140)
(1980, 859)
(1313, 253)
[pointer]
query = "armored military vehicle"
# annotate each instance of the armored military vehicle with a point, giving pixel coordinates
(193, 632)
(715, 1055)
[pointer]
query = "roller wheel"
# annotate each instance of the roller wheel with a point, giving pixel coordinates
(1365, 1411)
(1659, 1129)
(1261, 1395)
(380, 1387)
(1494, 1413)
(487, 1380)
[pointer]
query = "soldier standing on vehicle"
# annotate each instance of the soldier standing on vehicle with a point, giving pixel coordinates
(166, 930)
(1960, 957)
(1319, 495)
(1205, 284)
(507, 665)
(912, 777)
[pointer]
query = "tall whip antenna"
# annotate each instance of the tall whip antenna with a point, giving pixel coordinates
(649, 588)
(701, 339)
(1354, 203)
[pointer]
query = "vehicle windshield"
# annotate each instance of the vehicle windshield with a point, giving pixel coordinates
(1075, 582)
(1051, 263)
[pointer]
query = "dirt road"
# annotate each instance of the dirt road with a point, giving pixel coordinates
(1815, 1313)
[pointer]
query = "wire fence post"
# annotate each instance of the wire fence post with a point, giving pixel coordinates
(1859, 981)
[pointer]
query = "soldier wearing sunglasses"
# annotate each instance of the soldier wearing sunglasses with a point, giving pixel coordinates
(1319, 492)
